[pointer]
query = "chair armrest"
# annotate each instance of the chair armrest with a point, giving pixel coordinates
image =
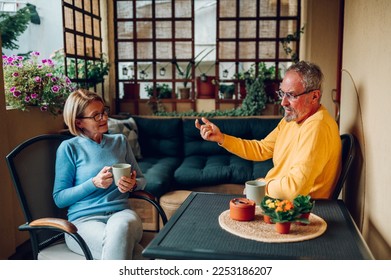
(144, 195)
(137, 194)
(60, 225)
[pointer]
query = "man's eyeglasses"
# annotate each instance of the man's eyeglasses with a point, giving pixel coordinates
(98, 117)
(290, 96)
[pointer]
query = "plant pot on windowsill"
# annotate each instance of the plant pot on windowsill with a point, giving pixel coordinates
(131, 91)
(242, 89)
(271, 87)
(227, 90)
(228, 95)
(272, 109)
(205, 87)
(184, 92)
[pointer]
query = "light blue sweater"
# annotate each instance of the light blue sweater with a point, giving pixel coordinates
(78, 160)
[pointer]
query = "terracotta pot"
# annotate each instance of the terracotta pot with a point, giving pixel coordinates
(242, 209)
(304, 216)
(242, 89)
(205, 87)
(267, 219)
(283, 228)
(184, 93)
(270, 88)
(131, 91)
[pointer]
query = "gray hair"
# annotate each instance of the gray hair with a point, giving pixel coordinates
(310, 73)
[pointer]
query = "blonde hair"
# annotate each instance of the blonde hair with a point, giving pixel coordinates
(74, 108)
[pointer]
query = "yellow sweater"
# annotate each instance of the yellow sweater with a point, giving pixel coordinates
(306, 156)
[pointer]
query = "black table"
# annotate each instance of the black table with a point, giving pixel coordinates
(194, 232)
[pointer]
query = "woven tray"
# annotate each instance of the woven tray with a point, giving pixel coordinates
(261, 231)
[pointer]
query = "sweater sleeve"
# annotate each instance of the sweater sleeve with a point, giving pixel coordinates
(257, 150)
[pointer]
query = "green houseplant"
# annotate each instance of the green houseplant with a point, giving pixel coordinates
(96, 69)
(227, 90)
(14, 25)
(33, 82)
(252, 105)
(186, 73)
(283, 211)
(162, 91)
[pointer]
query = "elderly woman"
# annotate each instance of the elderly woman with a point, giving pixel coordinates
(84, 182)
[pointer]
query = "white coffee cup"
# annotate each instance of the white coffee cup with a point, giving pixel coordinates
(119, 170)
(255, 190)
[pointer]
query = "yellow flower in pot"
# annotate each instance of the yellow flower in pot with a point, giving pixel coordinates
(283, 212)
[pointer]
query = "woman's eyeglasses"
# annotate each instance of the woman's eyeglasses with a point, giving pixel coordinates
(98, 117)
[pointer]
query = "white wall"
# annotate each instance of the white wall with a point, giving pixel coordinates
(46, 37)
(320, 43)
(365, 112)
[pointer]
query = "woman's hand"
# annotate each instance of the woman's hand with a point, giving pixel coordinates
(127, 184)
(104, 178)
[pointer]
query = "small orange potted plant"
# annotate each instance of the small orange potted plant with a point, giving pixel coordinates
(283, 212)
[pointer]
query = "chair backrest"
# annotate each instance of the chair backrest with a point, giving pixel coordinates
(32, 168)
(348, 155)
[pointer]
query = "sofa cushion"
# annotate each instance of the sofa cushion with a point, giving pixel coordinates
(128, 127)
(160, 137)
(199, 170)
(159, 173)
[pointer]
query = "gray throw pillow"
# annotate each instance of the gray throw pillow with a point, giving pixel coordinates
(127, 127)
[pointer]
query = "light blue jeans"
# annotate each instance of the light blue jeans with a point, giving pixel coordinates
(110, 236)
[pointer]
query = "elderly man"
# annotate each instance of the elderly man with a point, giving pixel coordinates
(305, 146)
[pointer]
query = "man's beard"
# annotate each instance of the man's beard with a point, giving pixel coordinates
(291, 116)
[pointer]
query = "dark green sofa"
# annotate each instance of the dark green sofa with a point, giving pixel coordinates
(175, 157)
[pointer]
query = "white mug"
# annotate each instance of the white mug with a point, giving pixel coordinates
(255, 190)
(119, 170)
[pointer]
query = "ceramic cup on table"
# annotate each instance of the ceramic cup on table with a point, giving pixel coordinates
(255, 190)
(119, 170)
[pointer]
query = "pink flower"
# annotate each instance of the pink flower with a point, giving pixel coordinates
(17, 93)
(15, 74)
(55, 88)
(37, 79)
(34, 95)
